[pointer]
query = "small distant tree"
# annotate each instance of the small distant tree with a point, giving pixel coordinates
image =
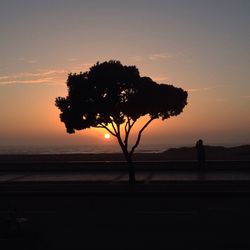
(110, 95)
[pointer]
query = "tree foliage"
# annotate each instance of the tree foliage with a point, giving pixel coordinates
(114, 94)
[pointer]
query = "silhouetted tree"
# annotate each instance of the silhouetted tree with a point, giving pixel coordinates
(111, 94)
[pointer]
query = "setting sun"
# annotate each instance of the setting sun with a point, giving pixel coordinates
(107, 136)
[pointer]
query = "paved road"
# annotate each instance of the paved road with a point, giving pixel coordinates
(61, 217)
(116, 177)
(111, 181)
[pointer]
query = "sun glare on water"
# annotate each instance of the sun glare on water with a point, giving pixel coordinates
(107, 136)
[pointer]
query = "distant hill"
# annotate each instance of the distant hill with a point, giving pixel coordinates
(212, 153)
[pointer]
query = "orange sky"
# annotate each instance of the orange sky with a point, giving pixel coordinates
(31, 118)
(201, 47)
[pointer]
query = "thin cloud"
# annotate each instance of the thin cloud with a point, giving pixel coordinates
(4, 77)
(204, 88)
(160, 78)
(34, 74)
(54, 76)
(49, 76)
(81, 67)
(32, 61)
(53, 72)
(23, 59)
(160, 56)
(197, 89)
(73, 59)
(42, 73)
(136, 58)
(35, 81)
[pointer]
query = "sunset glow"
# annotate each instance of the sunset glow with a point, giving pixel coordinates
(124, 124)
(202, 47)
(107, 136)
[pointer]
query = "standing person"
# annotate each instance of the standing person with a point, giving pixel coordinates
(201, 156)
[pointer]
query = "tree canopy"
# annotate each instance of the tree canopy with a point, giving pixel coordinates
(114, 94)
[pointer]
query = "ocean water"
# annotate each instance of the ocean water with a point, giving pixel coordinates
(77, 149)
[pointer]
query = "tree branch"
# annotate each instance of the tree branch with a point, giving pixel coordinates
(118, 129)
(122, 145)
(139, 135)
(127, 125)
(113, 126)
(109, 130)
(130, 125)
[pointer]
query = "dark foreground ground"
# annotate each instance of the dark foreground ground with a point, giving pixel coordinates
(169, 209)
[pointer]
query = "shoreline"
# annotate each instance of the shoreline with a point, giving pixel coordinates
(213, 153)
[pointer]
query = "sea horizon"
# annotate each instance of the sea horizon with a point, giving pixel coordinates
(92, 149)
(76, 149)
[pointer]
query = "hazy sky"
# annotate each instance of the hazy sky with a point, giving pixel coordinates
(202, 46)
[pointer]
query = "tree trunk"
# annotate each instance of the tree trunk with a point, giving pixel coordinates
(128, 156)
(131, 169)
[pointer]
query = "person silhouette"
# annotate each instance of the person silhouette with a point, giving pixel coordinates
(201, 156)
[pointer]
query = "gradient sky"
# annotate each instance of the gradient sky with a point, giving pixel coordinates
(202, 46)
